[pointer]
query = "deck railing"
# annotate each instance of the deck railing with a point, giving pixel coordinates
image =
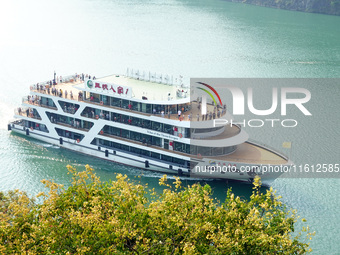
(64, 79)
(26, 112)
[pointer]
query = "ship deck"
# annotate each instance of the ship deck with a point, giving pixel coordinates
(71, 86)
(155, 91)
(227, 133)
(245, 152)
(253, 154)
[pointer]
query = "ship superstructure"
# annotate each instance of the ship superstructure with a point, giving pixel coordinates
(143, 123)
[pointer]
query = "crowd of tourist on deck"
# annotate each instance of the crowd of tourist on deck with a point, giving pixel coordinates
(50, 88)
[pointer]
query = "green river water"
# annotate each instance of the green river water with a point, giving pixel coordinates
(192, 38)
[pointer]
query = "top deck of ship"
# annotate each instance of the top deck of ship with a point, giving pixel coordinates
(154, 91)
(249, 152)
(139, 89)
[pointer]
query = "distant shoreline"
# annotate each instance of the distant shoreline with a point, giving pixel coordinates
(329, 7)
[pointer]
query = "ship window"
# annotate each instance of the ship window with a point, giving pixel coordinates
(166, 158)
(104, 99)
(47, 102)
(173, 109)
(217, 151)
(116, 145)
(157, 126)
(135, 106)
(124, 147)
(115, 131)
(125, 104)
(116, 102)
(227, 150)
(145, 153)
(69, 134)
(146, 124)
(179, 147)
(204, 151)
(135, 150)
(136, 136)
(125, 133)
(168, 129)
(68, 107)
(156, 141)
(155, 155)
(179, 161)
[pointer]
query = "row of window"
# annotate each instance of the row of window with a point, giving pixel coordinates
(73, 122)
(68, 107)
(139, 122)
(34, 126)
(136, 106)
(69, 134)
(176, 146)
(139, 152)
(147, 139)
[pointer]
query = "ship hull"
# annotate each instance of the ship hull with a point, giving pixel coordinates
(205, 168)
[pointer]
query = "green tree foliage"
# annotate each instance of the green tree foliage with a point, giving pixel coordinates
(119, 217)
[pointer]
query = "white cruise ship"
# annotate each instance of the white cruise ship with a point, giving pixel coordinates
(143, 123)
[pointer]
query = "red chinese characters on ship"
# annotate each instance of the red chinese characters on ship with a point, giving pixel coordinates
(120, 89)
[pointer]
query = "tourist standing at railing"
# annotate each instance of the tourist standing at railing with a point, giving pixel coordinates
(65, 93)
(71, 94)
